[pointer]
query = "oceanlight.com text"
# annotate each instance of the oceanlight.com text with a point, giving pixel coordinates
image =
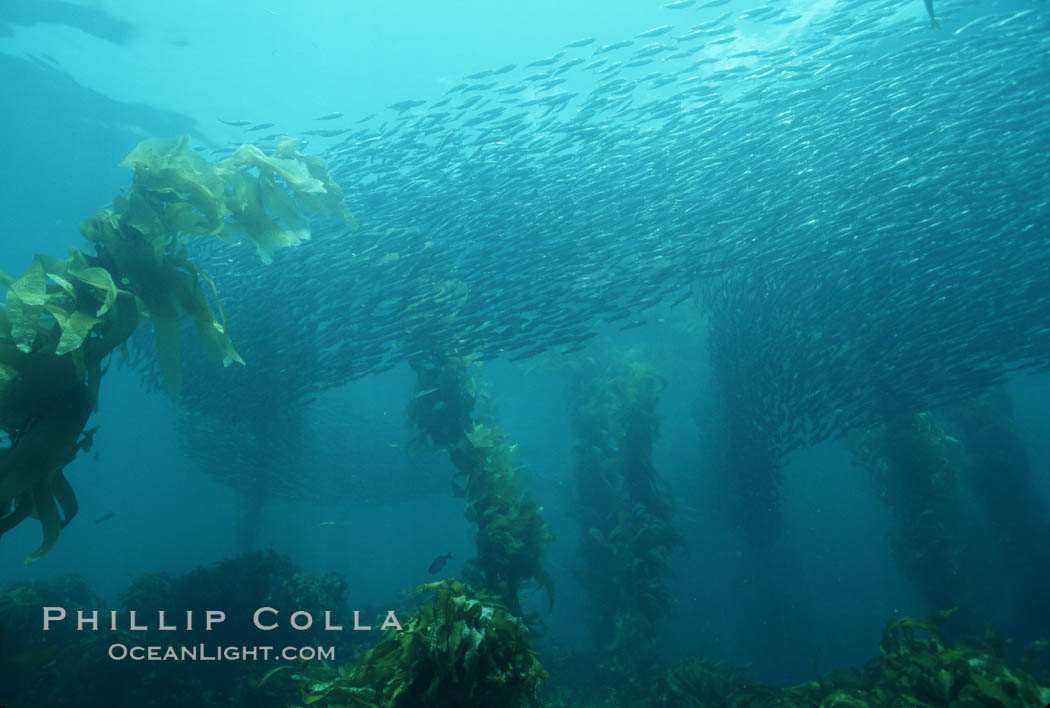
(203, 652)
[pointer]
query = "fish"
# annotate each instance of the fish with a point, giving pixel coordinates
(260, 126)
(632, 325)
(402, 106)
(546, 61)
(613, 46)
(929, 11)
(439, 563)
(330, 116)
(542, 215)
(679, 4)
(105, 517)
(327, 132)
(236, 123)
(655, 31)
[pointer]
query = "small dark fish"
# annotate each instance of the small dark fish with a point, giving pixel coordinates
(632, 325)
(236, 123)
(439, 563)
(929, 9)
(679, 4)
(105, 517)
(330, 116)
(530, 353)
(402, 106)
(581, 42)
(260, 126)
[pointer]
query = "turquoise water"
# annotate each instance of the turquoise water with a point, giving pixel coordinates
(849, 172)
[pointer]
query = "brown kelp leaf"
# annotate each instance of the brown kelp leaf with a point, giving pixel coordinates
(167, 171)
(166, 333)
(20, 513)
(31, 288)
(100, 279)
(216, 331)
(23, 320)
(292, 171)
(45, 509)
(76, 326)
(252, 221)
(65, 497)
(332, 201)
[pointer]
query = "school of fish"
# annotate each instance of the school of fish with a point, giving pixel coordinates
(861, 205)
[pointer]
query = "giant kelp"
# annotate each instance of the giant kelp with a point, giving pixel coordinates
(464, 648)
(908, 460)
(176, 194)
(239, 586)
(921, 666)
(622, 504)
(918, 666)
(511, 531)
(65, 666)
(998, 471)
(63, 317)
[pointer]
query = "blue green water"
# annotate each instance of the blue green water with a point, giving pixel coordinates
(903, 144)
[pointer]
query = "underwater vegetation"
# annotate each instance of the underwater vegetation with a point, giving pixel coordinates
(64, 667)
(464, 648)
(176, 194)
(458, 647)
(918, 667)
(239, 586)
(908, 460)
(936, 472)
(63, 317)
(511, 531)
(999, 472)
(20, 604)
(623, 506)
